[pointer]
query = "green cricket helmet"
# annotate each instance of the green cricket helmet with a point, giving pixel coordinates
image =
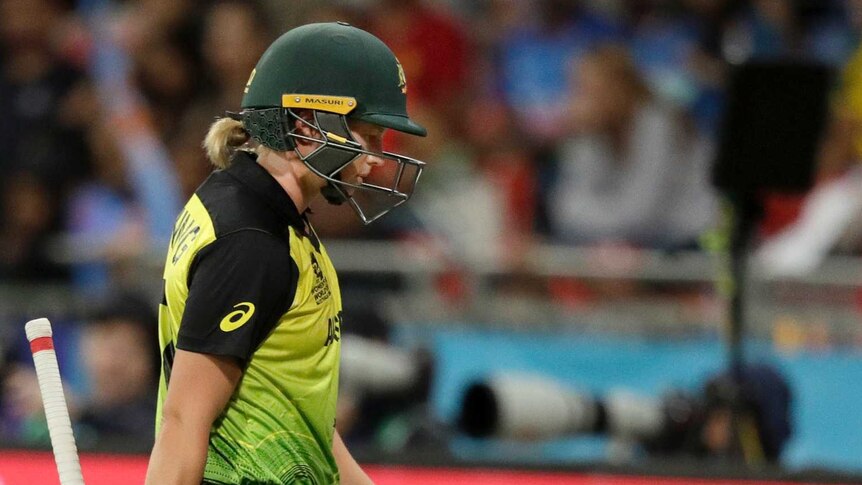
(338, 72)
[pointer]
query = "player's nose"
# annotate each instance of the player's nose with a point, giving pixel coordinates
(374, 160)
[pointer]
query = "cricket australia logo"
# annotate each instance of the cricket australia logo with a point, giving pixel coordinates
(402, 79)
(320, 290)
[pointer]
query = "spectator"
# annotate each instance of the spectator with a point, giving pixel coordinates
(778, 29)
(120, 359)
(42, 128)
(44, 100)
(226, 23)
(629, 172)
(26, 225)
(672, 48)
(230, 23)
(509, 166)
(103, 216)
(458, 186)
(110, 370)
(534, 59)
(161, 38)
(432, 46)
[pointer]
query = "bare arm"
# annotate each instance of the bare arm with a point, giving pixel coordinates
(350, 471)
(200, 387)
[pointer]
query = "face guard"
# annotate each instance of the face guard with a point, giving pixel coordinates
(386, 186)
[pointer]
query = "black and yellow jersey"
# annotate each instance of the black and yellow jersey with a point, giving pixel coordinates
(245, 276)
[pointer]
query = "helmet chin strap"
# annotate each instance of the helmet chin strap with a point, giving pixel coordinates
(332, 194)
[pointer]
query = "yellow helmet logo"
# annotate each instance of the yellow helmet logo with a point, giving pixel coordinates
(402, 79)
(237, 318)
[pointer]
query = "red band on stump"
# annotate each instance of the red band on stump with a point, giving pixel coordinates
(41, 343)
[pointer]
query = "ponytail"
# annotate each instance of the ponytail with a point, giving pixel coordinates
(223, 138)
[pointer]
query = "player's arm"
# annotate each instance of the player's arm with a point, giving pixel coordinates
(240, 285)
(200, 387)
(350, 471)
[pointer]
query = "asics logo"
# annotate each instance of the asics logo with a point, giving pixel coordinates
(237, 318)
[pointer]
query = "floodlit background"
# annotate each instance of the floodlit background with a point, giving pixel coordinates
(564, 253)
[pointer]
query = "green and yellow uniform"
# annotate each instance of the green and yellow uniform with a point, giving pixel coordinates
(246, 277)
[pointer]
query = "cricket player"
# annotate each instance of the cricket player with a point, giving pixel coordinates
(251, 318)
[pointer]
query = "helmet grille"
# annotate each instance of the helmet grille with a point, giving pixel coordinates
(266, 127)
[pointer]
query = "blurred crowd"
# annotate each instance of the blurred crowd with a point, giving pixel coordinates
(589, 123)
(581, 122)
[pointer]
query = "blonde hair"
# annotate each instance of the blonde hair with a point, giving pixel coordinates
(224, 137)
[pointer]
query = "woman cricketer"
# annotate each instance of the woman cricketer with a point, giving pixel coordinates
(250, 321)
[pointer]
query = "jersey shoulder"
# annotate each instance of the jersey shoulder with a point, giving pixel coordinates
(233, 207)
